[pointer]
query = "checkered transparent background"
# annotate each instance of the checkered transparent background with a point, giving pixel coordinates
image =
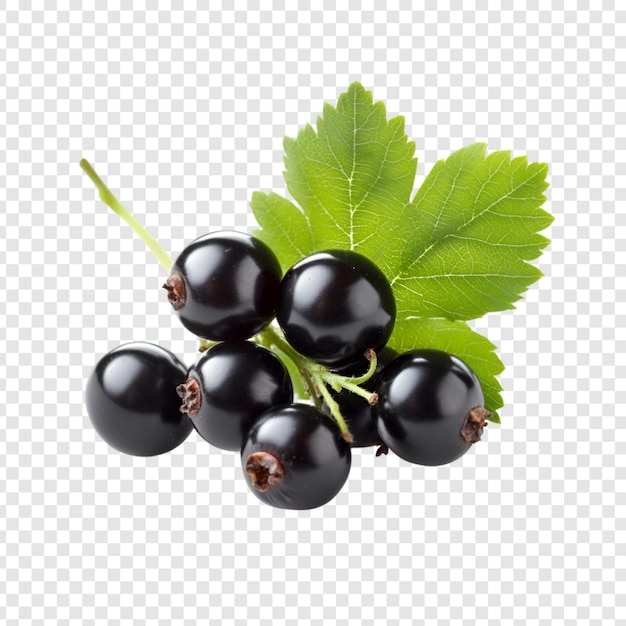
(183, 113)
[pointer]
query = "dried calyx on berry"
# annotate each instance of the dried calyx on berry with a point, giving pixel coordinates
(224, 286)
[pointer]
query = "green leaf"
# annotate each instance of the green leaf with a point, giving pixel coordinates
(284, 228)
(350, 178)
(455, 337)
(460, 248)
(473, 226)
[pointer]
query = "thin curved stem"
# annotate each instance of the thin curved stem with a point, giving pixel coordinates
(333, 406)
(371, 397)
(317, 378)
(352, 384)
(139, 229)
(271, 338)
(370, 355)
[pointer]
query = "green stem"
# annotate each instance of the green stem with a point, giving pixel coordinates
(309, 387)
(272, 337)
(372, 398)
(333, 406)
(138, 228)
(269, 338)
(315, 377)
(353, 383)
(305, 379)
(370, 355)
(318, 378)
(205, 344)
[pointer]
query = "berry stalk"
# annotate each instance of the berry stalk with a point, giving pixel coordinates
(106, 195)
(333, 406)
(318, 378)
(352, 384)
(271, 339)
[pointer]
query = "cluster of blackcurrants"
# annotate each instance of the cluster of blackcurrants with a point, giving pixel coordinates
(335, 312)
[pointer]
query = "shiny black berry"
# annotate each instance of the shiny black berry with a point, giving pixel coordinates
(334, 305)
(228, 388)
(224, 286)
(132, 402)
(430, 407)
(357, 411)
(294, 457)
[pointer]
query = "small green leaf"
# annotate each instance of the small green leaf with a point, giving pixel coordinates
(455, 337)
(473, 226)
(284, 228)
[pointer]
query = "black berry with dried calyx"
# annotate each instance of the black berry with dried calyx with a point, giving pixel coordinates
(294, 457)
(228, 388)
(131, 399)
(430, 407)
(224, 286)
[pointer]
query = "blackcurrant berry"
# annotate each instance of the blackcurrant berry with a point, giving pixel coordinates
(333, 305)
(430, 407)
(294, 457)
(357, 411)
(224, 286)
(228, 388)
(132, 402)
